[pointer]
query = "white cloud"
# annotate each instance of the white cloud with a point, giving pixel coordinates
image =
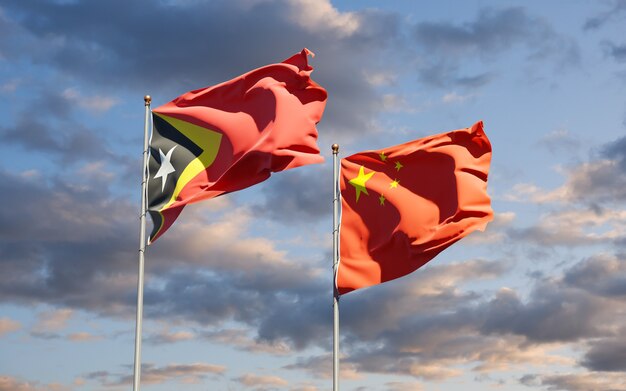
(83, 336)
(527, 192)
(317, 15)
(250, 380)
(495, 231)
(8, 325)
(380, 78)
(240, 340)
(396, 103)
(54, 320)
(95, 104)
(453, 97)
(577, 227)
(184, 372)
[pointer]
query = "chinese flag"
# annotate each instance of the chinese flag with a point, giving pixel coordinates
(403, 205)
(227, 137)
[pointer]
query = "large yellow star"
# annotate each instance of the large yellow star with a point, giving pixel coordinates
(359, 182)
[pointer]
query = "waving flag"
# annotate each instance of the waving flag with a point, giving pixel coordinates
(403, 205)
(224, 138)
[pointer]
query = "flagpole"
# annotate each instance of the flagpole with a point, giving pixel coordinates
(142, 247)
(335, 148)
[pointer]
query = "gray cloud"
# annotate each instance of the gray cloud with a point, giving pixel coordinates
(595, 22)
(59, 130)
(494, 31)
(615, 51)
(74, 246)
(553, 314)
(560, 141)
(298, 196)
(161, 52)
(597, 182)
(70, 141)
(576, 381)
(601, 275)
(616, 150)
(152, 374)
(81, 254)
(606, 355)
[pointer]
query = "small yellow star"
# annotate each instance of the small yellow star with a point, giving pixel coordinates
(394, 184)
(399, 166)
(381, 199)
(383, 157)
(359, 182)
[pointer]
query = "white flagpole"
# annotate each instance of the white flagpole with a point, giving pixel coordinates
(335, 148)
(142, 247)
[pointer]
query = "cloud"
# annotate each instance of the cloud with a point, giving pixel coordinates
(600, 180)
(404, 386)
(395, 103)
(602, 275)
(9, 383)
(496, 233)
(77, 257)
(574, 227)
(577, 381)
(321, 367)
(597, 181)
(9, 86)
(55, 320)
(260, 381)
(304, 387)
(240, 339)
(69, 250)
(554, 314)
(280, 302)
(70, 141)
(453, 97)
(493, 32)
(608, 355)
(616, 151)
(502, 333)
(83, 336)
(617, 52)
(166, 62)
(595, 22)
(298, 196)
(8, 325)
(95, 104)
(166, 336)
(182, 372)
(559, 141)
(152, 374)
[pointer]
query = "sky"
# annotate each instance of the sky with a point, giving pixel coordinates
(238, 292)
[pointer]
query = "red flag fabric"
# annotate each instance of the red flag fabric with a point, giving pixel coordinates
(403, 205)
(224, 138)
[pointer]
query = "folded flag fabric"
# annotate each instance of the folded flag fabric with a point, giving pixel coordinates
(233, 135)
(403, 205)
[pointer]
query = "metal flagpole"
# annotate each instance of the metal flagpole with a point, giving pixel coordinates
(335, 148)
(142, 247)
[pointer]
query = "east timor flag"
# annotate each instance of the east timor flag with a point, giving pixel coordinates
(403, 205)
(233, 135)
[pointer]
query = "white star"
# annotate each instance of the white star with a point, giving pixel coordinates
(166, 167)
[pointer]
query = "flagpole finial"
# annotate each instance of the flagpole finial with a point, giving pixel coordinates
(335, 148)
(147, 99)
